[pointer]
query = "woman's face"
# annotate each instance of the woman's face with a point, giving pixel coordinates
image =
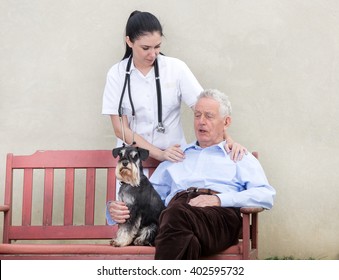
(145, 49)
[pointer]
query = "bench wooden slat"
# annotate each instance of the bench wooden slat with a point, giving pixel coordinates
(90, 196)
(64, 159)
(69, 196)
(76, 249)
(48, 197)
(8, 197)
(86, 249)
(27, 194)
(62, 232)
(93, 251)
(111, 181)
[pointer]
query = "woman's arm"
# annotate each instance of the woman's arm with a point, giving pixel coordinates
(173, 153)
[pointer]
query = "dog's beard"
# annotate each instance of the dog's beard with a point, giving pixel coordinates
(129, 174)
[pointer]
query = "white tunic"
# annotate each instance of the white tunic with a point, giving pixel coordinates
(177, 84)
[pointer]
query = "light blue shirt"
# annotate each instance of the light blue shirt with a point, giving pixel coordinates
(242, 183)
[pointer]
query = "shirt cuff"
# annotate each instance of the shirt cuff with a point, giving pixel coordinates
(109, 219)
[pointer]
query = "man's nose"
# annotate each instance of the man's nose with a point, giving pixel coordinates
(202, 119)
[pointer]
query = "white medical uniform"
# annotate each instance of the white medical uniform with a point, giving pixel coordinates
(177, 84)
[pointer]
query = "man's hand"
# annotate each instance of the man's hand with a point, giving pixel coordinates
(119, 211)
(205, 200)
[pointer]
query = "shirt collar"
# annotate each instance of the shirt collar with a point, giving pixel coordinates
(133, 69)
(132, 66)
(195, 145)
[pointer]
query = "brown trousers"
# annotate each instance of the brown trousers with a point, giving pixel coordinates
(187, 232)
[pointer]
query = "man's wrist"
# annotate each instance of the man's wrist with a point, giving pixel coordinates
(218, 200)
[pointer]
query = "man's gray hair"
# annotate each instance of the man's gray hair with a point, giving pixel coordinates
(225, 108)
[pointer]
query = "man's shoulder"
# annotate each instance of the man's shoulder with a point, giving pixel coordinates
(248, 161)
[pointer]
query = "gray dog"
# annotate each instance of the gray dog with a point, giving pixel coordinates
(143, 202)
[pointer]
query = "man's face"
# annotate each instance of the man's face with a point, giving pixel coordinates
(209, 125)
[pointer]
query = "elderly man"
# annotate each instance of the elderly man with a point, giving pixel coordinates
(203, 193)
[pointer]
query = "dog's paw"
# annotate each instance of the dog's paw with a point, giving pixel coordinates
(139, 241)
(119, 243)
(115, 243)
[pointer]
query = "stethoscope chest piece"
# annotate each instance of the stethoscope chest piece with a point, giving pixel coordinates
(160, 128)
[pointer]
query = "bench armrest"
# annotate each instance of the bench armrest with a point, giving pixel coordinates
(249, 210)
(4, 208)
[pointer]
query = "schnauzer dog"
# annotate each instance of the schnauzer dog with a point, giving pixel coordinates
(143, 202)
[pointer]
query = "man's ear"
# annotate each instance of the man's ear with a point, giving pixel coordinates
(143, 153)
(116, 151)
(227, 121)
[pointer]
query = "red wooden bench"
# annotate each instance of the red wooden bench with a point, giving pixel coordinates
(60, 196)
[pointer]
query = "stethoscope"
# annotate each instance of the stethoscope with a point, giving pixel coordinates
(160, 127)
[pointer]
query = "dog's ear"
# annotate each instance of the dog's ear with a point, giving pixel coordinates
(116, 151)
(143, 153)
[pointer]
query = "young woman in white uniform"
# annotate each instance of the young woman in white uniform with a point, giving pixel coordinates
(144, 91)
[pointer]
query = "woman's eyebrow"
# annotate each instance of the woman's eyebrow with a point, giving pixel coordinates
(147, 46)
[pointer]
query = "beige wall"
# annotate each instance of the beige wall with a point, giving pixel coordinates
(277, 60)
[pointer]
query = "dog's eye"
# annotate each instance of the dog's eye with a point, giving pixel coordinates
(134, 155)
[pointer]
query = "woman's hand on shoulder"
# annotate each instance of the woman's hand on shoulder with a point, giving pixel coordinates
(237, 151)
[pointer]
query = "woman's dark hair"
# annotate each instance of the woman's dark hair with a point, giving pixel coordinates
(138, 24)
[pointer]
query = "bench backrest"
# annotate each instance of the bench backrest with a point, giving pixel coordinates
(45, 190)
